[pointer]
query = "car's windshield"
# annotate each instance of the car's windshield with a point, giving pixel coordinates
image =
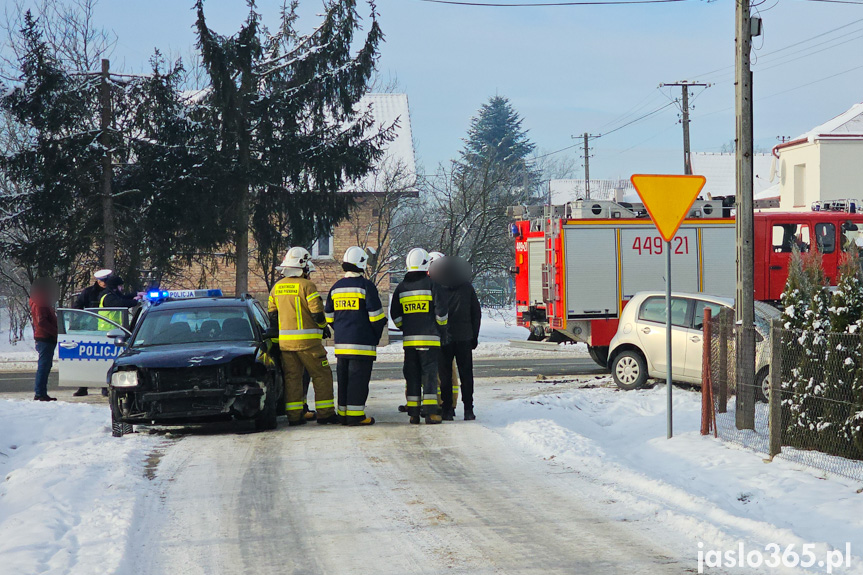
(193, 325)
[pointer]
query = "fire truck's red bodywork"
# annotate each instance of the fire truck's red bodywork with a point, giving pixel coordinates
(704, 249)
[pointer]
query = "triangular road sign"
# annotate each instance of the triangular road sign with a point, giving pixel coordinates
(667, 198)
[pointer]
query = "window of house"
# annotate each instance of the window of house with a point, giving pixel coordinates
(323, 247)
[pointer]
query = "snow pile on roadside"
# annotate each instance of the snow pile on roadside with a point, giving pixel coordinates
(69, 489)
(498, 327)
(711, 492)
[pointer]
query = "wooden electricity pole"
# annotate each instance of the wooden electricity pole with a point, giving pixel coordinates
(684, 108)
(108, 228)
(745, 304)
(586, 167)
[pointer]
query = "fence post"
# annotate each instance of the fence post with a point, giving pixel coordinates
(723, 361)
(775, 400)
(706, 379)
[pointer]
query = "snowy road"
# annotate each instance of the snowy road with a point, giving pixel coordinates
(393, 498)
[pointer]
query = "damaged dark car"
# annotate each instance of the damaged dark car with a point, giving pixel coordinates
(196, 361)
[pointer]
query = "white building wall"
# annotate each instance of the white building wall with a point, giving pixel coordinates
(841, 169)
(799, 169)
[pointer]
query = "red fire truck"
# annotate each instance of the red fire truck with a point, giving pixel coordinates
(577, 265)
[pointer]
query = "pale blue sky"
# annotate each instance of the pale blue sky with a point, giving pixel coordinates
(568, 70)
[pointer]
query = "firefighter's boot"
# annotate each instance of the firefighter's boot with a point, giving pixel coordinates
(363, 422)
(334, 419)
(415, 419)
(468, 414)
(433, 419)
(448, 414)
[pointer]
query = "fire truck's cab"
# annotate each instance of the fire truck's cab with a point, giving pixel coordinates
(577, 265)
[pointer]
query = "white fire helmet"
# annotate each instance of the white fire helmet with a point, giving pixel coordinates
(297, 257)
(434, 256)
(357, 256)
(417, 260)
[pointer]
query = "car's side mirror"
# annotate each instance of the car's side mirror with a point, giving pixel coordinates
(119, 336)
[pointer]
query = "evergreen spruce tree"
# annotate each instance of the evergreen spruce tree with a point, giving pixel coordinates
(50, 182)
(290, 132)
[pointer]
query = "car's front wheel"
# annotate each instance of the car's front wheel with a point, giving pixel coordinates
(629, 370)
(118, 427)
(762, 382)
(267, 418)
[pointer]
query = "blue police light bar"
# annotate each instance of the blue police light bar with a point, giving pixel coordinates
(155, 295)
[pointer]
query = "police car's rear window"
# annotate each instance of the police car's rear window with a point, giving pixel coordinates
(195, 325)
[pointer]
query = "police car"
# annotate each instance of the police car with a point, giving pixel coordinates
(181, 357)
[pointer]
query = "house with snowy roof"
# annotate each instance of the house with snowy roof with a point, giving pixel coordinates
(825, 163)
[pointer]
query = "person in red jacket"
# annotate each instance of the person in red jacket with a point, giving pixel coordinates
(43, 294)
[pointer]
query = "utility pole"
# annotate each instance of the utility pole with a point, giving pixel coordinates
(586, 167)
(107, 171)
(745, 304)
(684, 107)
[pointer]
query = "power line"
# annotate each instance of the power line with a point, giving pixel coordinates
(541, 4)
(647, 115)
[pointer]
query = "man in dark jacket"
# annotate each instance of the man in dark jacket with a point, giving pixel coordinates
(465, 315)
(42, 297)
(89, 298)
(418, 308)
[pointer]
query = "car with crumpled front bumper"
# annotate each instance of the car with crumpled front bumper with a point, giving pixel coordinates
(196, 361)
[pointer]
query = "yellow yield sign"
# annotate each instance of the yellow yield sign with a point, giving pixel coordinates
(668, 199)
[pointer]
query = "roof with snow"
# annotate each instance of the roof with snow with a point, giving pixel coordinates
(721, 173)
(848, 124)
(398, 160)
(569, 190)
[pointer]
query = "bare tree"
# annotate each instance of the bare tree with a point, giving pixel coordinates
(388, 194)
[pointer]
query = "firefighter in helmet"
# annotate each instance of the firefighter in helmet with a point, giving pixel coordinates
(355, 312)
(419, 309)
(299, 310)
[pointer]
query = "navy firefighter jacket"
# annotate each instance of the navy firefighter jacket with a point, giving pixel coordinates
(419, 309)
(355, 311)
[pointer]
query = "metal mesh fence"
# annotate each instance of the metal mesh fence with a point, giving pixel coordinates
(818, 418)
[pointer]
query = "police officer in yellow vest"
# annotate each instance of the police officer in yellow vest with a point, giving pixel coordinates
(112, 297)
(299, 310)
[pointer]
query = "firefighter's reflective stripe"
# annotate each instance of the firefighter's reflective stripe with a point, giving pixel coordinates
(430, 399)
(331, 317)
(294, 406)
(352, 291)
(421, 341)
(325, 403)
(298, 334)
(420, 293)
(377, 315)
(442, 319)
(398, 321)
(356, 410)
(312, 296)
(342, 410)
(356, 349)
(413, 401)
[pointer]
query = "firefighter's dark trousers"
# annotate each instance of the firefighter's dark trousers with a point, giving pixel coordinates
(420, 372)
(315, 362)
(354, 375)
(463, 353)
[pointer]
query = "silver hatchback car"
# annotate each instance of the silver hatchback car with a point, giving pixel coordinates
(637, 350)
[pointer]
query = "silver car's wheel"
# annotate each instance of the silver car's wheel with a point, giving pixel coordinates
(763, 380)
(629, 370)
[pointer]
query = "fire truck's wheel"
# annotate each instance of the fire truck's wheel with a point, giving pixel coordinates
(629, 370)
(599, 354)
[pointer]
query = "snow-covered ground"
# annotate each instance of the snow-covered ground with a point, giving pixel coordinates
(497, 329)
(69, 490)
(711, 492)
